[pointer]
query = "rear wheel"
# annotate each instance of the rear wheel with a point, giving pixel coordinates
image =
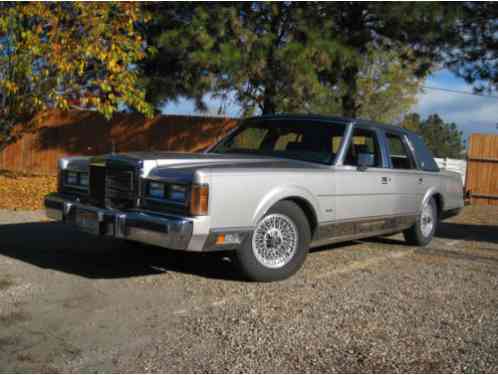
(421, 233)
(278, 246)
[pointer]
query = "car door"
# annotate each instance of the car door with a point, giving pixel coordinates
(405, 178)
(364, 195)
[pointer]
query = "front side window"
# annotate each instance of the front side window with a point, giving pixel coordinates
(398, 153)
(305, 140)
(364, 141)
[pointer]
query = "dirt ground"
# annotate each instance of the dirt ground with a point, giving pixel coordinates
(73, 303)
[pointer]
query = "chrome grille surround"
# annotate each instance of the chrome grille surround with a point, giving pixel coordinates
(121, 184)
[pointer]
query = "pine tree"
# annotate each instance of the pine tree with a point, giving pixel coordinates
(475, 54)
(442, 138)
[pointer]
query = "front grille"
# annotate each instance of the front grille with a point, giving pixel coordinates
(120, 180)
(120, 187)
(96, 184)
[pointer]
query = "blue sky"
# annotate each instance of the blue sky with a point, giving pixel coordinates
(472, 114)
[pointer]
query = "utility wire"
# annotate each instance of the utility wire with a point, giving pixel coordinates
(460, 92)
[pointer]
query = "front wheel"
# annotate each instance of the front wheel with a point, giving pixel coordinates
(278, 246)
(421, 233)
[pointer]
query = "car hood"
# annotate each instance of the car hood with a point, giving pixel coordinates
(182, 166)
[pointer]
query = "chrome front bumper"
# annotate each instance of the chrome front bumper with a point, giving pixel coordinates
(166, 231)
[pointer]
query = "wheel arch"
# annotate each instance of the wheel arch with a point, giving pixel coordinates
(308, 210)
(438, 198)
(300, 196)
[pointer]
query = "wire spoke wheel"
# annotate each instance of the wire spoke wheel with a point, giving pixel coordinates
(275, 241)
(427, 220)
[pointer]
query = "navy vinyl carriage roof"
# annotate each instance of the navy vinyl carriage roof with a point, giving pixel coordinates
(331, 119)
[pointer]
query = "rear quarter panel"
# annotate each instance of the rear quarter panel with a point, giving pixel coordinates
(447, 184)
(452, 189)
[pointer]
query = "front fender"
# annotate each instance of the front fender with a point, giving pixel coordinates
(283, 192)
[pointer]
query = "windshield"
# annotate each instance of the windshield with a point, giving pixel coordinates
(305, 140)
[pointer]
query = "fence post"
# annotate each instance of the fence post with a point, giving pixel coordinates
(23, 154)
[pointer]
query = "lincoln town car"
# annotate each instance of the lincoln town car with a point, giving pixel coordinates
(268, 191)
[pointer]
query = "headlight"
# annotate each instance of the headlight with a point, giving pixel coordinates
(171, 192)
(75, 179)
(156, 190)
(193, 197)
(177, 193)
(84, 179)
(71, 178)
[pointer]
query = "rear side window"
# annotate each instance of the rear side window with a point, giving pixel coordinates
(399, 153)
(424, 156)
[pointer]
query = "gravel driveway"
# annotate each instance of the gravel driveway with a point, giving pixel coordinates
(70, 302)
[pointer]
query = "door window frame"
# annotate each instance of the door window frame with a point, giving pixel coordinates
(384, 158)
(408, 148)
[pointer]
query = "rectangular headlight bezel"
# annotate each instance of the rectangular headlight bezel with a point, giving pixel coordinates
(71, 178)
(75, 179)
(167, 191)
(177, 193)
(84, 179)
(156, 190)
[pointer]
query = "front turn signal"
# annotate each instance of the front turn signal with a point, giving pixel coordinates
(199, 199)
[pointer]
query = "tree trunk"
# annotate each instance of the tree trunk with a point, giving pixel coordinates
(349, 106)
(268, 103)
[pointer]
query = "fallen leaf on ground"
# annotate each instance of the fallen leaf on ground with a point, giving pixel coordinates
(24, 192)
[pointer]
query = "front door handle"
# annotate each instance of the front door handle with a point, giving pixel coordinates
(421, 180)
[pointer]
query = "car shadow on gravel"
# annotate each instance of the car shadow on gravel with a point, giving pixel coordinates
(454, 231)
(471, 232)
(59, 247)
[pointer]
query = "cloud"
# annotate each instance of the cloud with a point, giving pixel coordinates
(472, 114)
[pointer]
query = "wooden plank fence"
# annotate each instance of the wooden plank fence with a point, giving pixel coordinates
(88, 133)
(482, 169)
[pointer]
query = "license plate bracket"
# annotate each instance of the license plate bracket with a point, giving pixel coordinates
(88, 221)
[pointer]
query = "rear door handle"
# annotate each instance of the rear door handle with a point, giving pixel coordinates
(420, 180)
(385, 180)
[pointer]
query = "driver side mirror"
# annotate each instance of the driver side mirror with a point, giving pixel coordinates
(365, 160)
